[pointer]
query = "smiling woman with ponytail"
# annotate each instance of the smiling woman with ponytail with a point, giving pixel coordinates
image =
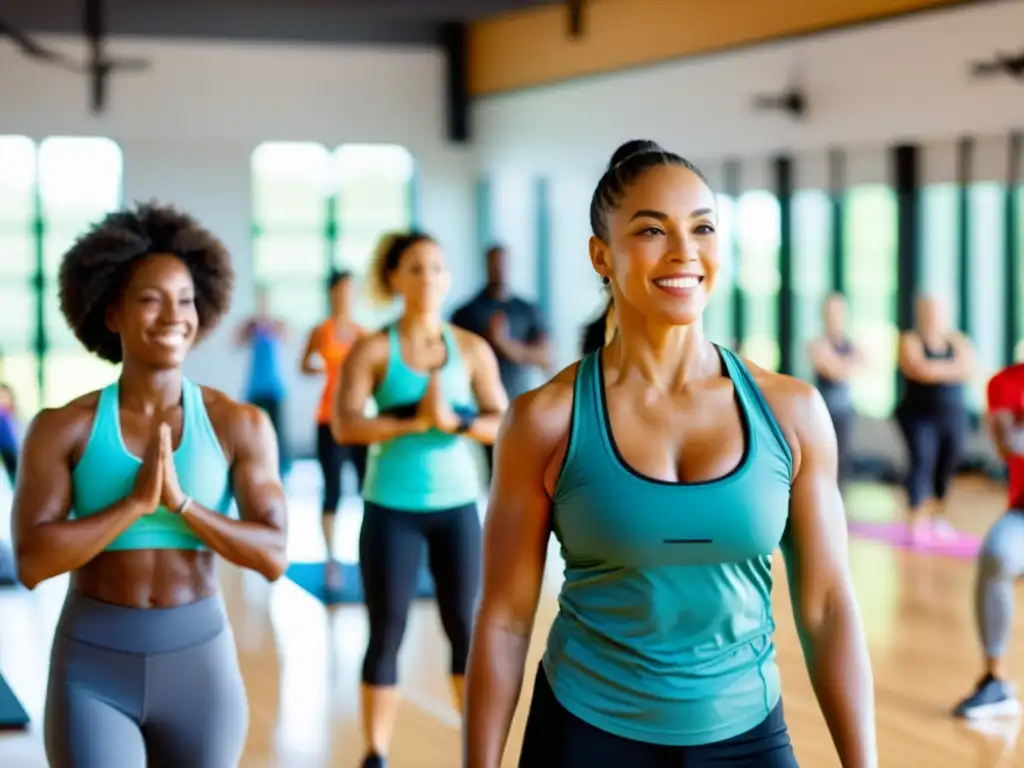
(669, 470)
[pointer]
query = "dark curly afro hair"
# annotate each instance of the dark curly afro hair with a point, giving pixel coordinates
(95, 271)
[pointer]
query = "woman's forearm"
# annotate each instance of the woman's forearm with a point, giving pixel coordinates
(933, 371)
(493, 682)
(840, 671)
(361, 430)
(961, 368)
(484, 428)
(51, 549)
(248, 544)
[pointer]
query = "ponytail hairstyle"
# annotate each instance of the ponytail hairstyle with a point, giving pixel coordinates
(336, 276)
(629, 163)
(611, 324)
(386, 258)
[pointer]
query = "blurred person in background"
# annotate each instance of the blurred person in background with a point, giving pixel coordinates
(8, 432)
(512, 326)
(836, 360)
(936, 362)
(327, 347)
(263, 336)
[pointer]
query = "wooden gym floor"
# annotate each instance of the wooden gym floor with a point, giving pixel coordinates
(301, 660)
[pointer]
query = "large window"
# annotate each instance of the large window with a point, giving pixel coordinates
(758, 230)
(17, 269)
(871, 278)
(291, 237)
(48, 194)
(315, 210)
(812, 271)
(986, 280)
(940, 227)
(718, 324)
(79, 182)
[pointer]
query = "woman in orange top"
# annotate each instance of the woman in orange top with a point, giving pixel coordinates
(328, 346)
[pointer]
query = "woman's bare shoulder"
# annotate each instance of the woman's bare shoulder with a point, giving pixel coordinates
(542, 415)
(64, 429)
(796, 405)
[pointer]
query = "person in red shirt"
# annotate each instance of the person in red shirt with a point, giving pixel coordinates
(1001, 561)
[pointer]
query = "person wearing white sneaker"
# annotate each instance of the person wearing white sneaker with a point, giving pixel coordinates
(935, 363)
(1001, 561)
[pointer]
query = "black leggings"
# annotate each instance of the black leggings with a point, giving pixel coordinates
(935, 443)
(390, 546)
(332, 458)
(555, 738)
(843, 421)
(272, 407)
(9, 458)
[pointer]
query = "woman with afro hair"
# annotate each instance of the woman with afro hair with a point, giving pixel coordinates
(129, 489)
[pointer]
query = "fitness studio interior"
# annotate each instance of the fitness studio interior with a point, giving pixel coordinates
(866, 162)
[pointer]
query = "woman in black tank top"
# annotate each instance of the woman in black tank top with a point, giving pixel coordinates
(835, 360)
(932, 416)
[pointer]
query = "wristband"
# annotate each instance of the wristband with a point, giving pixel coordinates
(466, 418)
(183, 506)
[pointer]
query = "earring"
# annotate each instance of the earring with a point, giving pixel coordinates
(605, 280)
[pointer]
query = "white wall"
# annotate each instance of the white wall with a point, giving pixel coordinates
(868, 88)
(906, 78)
(188, 126)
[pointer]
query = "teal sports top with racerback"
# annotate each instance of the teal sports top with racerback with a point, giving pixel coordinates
(430, 471)
(106, 473)
(664, 628)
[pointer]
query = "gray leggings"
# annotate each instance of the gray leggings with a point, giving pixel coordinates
(1000, 564)
(131, 688)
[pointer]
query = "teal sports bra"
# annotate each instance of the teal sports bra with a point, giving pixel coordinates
(431, 471)
(106, 473)
(664, 629)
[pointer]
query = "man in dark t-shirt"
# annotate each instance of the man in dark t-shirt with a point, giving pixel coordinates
(513, 327)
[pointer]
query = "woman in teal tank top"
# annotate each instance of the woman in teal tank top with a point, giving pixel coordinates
(130, 490)
(670, 471)
(437, 391)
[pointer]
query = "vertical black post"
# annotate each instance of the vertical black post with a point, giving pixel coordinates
(907, 184)
(964, 176)
(732, 189)
(39, 285)
(783, 172)
(1011, 244)
(837, 195)
(454, 39)
(332, 233)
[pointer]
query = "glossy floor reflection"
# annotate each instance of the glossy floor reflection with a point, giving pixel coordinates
(301, 660)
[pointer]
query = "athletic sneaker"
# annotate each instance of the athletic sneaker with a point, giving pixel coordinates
(375, 761)
(991, 698)
(919, 532)
(943, 529)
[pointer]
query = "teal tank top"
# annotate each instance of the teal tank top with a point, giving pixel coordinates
(664, 628)
(106, 473)
(431, 471)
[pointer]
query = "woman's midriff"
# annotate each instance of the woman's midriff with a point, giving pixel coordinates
(148, 578)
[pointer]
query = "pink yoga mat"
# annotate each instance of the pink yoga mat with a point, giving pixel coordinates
(962, 545)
